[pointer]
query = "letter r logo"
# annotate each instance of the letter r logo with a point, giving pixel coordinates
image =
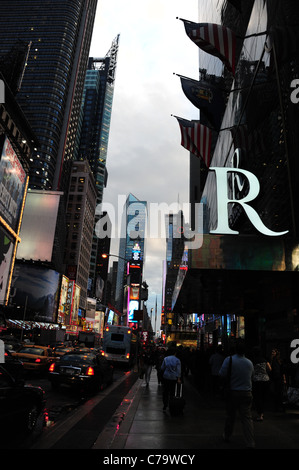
(223, 200)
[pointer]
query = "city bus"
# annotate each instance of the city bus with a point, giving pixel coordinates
(119, 344)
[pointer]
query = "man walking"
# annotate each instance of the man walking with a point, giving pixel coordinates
(171, 369)
(240, 394)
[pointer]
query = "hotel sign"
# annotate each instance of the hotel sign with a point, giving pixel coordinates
(223, 200)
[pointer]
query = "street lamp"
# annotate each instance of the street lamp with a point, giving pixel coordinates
(107, 255)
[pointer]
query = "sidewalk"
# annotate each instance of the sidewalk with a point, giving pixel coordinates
(140, 423)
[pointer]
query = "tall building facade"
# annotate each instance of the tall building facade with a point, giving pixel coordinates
(246, 272)
(93, 133)
(57, 35)
(131, 254)
(81, 207)
(48, 43)
(17, 142)
(174, 254)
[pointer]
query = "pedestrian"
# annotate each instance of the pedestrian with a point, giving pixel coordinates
(260, 382)
(278, 379)
(171, 368)
(238, 370)
(160, 354)
(215, 362)
(147, 360)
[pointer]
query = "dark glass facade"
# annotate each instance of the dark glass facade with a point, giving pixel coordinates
(58, 35)
(248, 274)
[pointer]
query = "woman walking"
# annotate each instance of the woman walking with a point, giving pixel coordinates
(260, 382)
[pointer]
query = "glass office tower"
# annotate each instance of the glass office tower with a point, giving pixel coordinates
(93, 133)
(57, 35)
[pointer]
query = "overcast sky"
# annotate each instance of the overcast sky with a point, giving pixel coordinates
(145, 156)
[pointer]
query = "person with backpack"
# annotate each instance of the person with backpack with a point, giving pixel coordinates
(171, 368)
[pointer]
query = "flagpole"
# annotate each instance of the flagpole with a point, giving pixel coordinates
(155, 315)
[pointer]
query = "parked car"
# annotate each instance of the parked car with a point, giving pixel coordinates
(20, 405)
(35, 358)
(84, 371)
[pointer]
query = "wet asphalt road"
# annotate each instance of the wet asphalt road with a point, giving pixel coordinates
(62, 403)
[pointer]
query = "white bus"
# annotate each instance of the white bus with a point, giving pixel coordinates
(119, 344)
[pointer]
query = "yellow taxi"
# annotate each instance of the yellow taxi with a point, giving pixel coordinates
(35, 358)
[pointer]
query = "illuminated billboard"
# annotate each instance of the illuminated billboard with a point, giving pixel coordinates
(63, 299)
(37, 288)
(6, 256)
(12, 186)
(75, 304)
(134, 292)
(72, 303)
(38, 225)
(133, 305)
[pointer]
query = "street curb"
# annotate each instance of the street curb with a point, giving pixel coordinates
(54, 433)
(116, 431)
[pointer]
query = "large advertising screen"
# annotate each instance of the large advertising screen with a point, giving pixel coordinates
(12, 186)
(35, 293)
(38, 225)
(6, 256)
(63, 299)
(72, 303)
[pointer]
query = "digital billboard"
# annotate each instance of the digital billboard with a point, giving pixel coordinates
(133, 305)
(75, 304)
(38, 225)
(37, 288)
(63, 299)
(12, 185)
(6, 256)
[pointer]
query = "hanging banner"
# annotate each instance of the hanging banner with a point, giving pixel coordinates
(207, 98)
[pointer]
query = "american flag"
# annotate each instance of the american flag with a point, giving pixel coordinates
(214, 39)
(196, 138)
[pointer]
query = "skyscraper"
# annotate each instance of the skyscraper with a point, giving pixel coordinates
(57, 35)
(93, 132)
(132, 234)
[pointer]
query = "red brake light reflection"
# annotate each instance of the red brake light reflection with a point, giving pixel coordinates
(90, 371)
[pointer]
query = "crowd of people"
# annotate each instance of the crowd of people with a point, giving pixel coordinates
(247, 381)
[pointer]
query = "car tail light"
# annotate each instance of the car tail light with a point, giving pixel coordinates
(90, 371)
(37, 360)
(128, 356)
(52, 367)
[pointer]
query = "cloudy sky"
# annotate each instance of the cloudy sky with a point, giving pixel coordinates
(145, 156)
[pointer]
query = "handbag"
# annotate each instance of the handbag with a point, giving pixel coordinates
(142, 372)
